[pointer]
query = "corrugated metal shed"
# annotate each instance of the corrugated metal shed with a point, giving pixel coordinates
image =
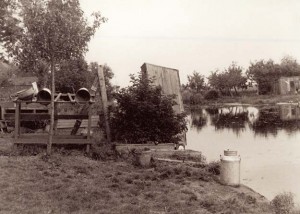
(168, 79)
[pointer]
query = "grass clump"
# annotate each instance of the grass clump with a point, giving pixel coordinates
(214, 167)
(283, 203)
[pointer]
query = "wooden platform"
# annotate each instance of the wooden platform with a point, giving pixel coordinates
(19, 114)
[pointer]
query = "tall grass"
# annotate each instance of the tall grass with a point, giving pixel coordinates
(283, 203)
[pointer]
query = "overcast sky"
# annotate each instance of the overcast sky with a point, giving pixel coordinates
(192, 35)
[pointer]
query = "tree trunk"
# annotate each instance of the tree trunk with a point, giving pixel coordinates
(229, 90)
(236, 93)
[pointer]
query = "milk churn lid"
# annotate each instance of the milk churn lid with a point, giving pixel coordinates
(230, 153)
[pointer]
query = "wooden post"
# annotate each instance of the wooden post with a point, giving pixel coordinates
(104, 101)
(55, 119)
(89, 130)
(17, 119)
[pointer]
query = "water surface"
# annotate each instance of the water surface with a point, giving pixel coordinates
(267, 139)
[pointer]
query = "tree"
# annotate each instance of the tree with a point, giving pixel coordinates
(196, 81)
(10, 29)
(266, 74)
(228, 79)
(235, 77)
(71, 75)
(215, 81)
(289, 66)
(53, 32)
(49, 31)
(144, 114)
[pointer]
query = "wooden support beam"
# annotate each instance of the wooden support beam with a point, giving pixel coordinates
(89, 130)
(57, 97)
(104, 101)
(17, 120)
(71, 98)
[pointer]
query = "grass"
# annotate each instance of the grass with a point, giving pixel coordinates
(283, 203)
(254, 99)
(74, 183)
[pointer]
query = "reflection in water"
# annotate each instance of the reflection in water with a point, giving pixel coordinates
(267, 123)
(263, 121)
(233, 118)
(198, 119)
(273, 119)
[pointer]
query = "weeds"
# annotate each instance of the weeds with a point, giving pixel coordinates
(102, 151)
(283, 203)
(214, 167)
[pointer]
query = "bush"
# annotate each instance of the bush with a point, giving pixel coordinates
(144, 114)
(283, 203)
(211, 95)
(196, 99)
(186, 96)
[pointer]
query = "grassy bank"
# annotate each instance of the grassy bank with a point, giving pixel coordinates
(254, 100)
(69, 182)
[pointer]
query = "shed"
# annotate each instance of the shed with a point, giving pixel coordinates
(168, 79)
(289, 85)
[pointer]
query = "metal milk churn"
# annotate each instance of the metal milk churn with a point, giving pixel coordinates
(230, 168)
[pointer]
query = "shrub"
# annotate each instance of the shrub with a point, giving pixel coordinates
(144, 114)
(196, 99)
(283, 203)
(211, 95)
(186, 96)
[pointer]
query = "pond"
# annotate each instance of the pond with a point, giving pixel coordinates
(267, 139)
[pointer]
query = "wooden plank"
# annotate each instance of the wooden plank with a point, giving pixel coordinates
(25, 110)
(69, 125)
(27, 117)
(104, 101)
(30, 117)
(84, 123)
(65, 116)
(45, 136)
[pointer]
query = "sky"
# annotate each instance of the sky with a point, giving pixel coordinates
(192, 35)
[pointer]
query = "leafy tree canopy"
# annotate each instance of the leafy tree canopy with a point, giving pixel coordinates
(47, 34)
(230, 78)
(196, 81)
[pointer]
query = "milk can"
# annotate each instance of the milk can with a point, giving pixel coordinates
(82, 95)
(44, 95)
(230, 168)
